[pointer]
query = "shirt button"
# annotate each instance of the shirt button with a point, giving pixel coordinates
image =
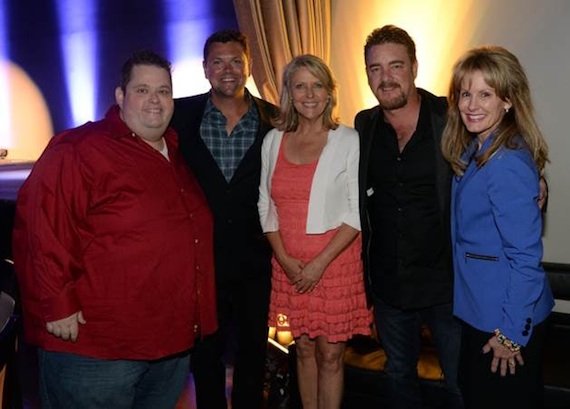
(196, 241)
(525, 333)
(181, 190)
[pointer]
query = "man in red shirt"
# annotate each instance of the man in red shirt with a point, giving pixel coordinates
(113, 249)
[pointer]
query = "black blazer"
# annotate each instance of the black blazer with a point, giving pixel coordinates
(435, 287)
(241, 249)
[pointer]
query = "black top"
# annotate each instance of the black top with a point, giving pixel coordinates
(403, 209)
(405, 200)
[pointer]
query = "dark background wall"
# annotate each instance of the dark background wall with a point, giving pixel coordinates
(34, 36)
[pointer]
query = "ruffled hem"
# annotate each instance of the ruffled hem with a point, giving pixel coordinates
(335, 309)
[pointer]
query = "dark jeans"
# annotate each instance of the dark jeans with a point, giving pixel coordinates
(400, 335)
(484, 389)
(70, 381)
(242, 340)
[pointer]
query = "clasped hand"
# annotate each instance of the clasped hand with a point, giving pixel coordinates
(304, 277)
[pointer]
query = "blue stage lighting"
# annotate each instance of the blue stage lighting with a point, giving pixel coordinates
(5, 116)
(188, 25)
(79, 47)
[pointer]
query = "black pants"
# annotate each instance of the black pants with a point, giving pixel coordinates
(483, 389)
(242, 340)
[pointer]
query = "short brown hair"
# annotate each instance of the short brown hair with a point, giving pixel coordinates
(391, 34)
(142, 57)
(226, 36)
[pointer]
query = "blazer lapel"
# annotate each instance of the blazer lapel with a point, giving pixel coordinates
(195, 148)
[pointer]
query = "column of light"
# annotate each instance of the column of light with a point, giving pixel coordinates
(186, 32)
(5, 111)
(79, 45)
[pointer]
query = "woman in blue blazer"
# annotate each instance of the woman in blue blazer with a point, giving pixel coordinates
(501, 292)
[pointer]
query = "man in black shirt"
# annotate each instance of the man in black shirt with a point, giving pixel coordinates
(405, 198)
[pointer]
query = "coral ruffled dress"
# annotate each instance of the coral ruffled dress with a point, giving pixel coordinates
(336, 308)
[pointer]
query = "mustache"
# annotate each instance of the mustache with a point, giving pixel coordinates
(386, 84)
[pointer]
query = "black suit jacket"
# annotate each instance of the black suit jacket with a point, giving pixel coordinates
(241, 249)
(433, 287)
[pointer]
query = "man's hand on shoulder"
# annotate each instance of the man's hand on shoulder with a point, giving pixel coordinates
(66, 328)
(543, 194)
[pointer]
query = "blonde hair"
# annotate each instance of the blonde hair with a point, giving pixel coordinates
(288, 118)
(503, 72)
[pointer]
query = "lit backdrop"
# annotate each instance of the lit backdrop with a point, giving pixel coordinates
(60, 59)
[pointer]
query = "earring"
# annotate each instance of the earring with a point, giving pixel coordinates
(506, 110)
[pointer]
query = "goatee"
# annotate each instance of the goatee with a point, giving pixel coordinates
(394, 103)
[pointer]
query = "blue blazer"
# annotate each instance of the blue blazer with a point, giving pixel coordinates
(496, 229)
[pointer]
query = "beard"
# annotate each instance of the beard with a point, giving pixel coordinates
(389, 104)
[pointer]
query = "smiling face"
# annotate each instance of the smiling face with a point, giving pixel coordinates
(391, 74)
(481, 109)
(227, 68)
(309, 95)
(146, 103)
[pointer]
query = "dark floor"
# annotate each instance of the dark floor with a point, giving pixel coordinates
(362, 389)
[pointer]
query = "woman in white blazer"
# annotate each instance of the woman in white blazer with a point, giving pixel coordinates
(308, 206)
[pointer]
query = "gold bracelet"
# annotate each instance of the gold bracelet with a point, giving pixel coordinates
(504, 341)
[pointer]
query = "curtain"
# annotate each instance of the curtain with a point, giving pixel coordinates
(279, 30)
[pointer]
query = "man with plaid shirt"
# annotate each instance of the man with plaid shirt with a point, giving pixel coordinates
(220, 135)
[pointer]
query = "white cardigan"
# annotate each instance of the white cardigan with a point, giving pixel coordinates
(334, 191)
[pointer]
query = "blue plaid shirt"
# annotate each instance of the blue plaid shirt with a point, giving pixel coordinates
(229, 150)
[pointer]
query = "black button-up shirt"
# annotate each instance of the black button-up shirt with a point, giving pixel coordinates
(404, 214)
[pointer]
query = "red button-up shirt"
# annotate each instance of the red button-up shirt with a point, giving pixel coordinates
(107, 225)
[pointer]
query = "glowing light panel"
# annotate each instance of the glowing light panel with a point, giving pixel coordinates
(25, 138)
(5, 111)
(79, 46)
(187, 29)
(3, 30)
